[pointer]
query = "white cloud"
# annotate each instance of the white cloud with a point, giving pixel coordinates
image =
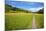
(35, 9)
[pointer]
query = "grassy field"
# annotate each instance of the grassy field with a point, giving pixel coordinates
(18, 21)
(39, 20)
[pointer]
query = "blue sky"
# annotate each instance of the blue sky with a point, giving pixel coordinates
(31, 6)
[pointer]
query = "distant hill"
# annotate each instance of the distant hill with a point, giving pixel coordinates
(9, 8)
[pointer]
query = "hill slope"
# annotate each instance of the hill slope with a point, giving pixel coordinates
(9, 8)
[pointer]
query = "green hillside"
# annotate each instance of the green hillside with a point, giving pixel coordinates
(9, 8)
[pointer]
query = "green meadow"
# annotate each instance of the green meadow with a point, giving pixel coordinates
(39, 20)
(16, 21)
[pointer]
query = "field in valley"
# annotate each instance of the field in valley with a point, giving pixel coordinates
(16, 21)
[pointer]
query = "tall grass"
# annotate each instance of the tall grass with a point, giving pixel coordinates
(18, 21)
(39, 20)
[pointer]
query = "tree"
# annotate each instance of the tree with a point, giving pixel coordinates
(41, 11)
(7, 7)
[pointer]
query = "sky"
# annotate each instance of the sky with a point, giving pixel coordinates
(31, 6)
(28, 0)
